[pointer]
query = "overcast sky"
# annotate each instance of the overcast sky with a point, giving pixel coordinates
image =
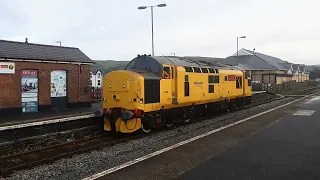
(116, 29)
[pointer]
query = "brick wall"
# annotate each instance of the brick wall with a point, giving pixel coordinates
(10, 84)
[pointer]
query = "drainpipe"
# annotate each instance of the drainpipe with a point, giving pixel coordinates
(79, 82)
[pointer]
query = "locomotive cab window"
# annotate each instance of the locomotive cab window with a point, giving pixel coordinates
(239, 82)
(166, 73)
(144, 64)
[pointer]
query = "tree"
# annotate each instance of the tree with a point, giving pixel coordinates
(315, 73)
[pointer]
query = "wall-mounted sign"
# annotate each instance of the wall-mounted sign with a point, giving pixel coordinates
(7, 68)
(29, 90)
(58, 83)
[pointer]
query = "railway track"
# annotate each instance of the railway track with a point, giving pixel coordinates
(49, 154)
(302, 91)
(26, 160)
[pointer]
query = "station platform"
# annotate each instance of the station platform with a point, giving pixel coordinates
(278, 144)
(258, 92)
(40, 118)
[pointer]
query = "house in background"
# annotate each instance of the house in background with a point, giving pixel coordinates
(267, 69)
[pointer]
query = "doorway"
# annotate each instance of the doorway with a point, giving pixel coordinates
(59, 99)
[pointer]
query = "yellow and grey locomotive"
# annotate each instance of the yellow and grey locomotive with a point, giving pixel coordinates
(153, 91)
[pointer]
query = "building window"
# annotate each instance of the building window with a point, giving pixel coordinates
(98, 75)
(99, 83)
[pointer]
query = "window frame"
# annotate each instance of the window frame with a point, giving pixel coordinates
(169, 72)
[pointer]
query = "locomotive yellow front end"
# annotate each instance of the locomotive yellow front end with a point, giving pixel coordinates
(122, 101)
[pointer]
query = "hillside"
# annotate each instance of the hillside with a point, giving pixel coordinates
(108, 66)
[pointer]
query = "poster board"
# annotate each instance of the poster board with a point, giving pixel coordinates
(58, 83)
(29, 90)
(7, 68)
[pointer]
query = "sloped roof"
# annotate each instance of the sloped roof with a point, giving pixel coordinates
(21, 50)
(245, 66)
(295, 67)
(252, 62)
(270, 59)
(287, 66)
(302, 67)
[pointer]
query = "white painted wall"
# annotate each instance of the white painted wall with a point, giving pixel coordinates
(96, 79)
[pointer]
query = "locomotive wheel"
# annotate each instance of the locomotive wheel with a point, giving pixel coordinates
(186, 118)
(145, 129)
(169, 123)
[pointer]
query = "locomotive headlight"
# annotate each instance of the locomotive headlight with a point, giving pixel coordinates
(141, 101)
(110, 86)
(124, 86)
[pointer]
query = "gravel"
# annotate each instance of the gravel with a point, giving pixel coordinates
(33, 143)
(81, 166)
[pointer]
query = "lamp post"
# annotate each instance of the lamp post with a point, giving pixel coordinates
(237, 47)
(59, 42)
(145, 7)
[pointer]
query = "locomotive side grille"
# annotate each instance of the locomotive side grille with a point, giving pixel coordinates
(151, 91)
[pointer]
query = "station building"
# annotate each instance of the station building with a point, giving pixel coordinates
(37, 77)
(268, 69)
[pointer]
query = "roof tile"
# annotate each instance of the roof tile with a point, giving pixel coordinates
(20, 50)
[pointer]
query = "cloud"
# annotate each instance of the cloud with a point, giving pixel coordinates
(118, 30)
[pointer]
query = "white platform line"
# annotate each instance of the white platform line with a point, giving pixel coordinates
(46, 122)
(129, 163)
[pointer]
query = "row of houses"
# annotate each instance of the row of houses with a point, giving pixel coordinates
(262, 68)
(267, 69)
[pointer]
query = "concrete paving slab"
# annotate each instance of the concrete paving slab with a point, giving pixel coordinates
(277, 145)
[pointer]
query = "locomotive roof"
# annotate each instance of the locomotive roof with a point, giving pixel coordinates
(176, 61)
(189, 61)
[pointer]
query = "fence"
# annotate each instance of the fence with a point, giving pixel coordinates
(280, 88)
(96, 94)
